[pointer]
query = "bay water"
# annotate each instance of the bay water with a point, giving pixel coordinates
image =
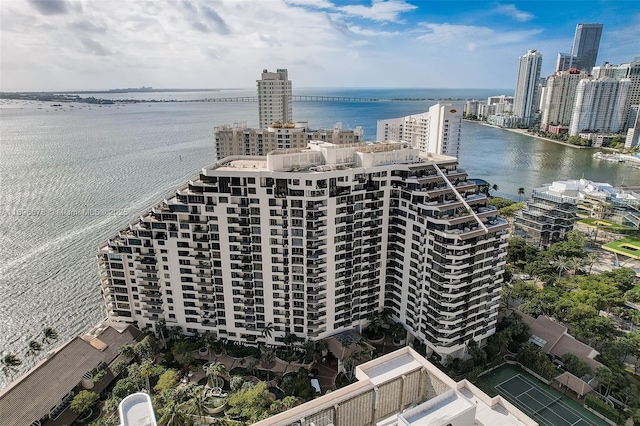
(71, 176)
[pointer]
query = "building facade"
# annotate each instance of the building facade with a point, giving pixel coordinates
(238, 139)
(600, 106)
(274, 98)
(559, 99)
(526, 93)
(436, 131)
(550, 213)
(586, 43)
(315, 241)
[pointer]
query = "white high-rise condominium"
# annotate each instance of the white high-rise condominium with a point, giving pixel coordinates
(561, 92)
(630, 70)
(600, 105)
(524, 105)
(436, 131)
(274, 98)
(315, 241)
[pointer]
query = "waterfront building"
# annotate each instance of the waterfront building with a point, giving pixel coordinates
(633, 134)
(44, 393)
(508, 121)
(550, 213)
(497, 105)
(526, 93)
(553, 209)
(559, 98)
(630, 71)
(313, 242)
(586, 43)
(403, 388)
(436, 131)
(274, 98)
(600, 106)
(473, 108)
(238, 139)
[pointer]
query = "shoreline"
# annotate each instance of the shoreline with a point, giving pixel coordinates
(526, 133)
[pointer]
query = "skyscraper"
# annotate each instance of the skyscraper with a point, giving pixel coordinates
(315, 241)
(274, 98)
(527, 86)
(586, 42)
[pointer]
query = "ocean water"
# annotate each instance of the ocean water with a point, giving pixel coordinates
(72, 176)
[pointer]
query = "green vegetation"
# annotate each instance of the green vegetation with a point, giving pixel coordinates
(603, 224)
(564, 289)
(602, 407)
(628, 246)
(506, 207)
(83, 401)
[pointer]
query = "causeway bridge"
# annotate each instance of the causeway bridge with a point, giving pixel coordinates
(320, 98)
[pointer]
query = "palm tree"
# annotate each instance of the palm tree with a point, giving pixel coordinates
(197, 405)
(161, 327)
(10, 364)
(173, 414)
(49, 335)
(520, 193)
(495, 187)
(561, 264)
(34, 348)
(592, 259)
(214, 372)
(267, 331)
(146, 370)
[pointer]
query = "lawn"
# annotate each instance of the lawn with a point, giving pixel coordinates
(603, 224)
(627, 246)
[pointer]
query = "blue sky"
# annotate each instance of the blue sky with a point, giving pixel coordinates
(101, 44)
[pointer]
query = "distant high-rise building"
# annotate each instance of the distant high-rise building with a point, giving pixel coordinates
(560, 94)
(586, 42)
(436, 131)
(238, 139)
(525, 105)
(600, 106)
(562, 63)
(630, 70)
(274, 98)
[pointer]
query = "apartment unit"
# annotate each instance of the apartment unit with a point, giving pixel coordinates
(559, 98)
(238, 139)
(600, 106)
(315, 241)
(402, 388)
(436, 131)
(274, 98)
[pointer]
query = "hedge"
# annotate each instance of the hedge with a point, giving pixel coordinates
(602, 407)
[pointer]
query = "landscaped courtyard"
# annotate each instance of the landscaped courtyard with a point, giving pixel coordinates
(629, 246)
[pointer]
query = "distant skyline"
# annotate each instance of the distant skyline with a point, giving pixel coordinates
(96, 45)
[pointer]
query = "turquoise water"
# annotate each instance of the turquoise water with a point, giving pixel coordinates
(71, 176)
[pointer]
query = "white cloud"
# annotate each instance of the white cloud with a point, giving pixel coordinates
(320, 4)
(471, 37)
(512, 11)
(380, 10)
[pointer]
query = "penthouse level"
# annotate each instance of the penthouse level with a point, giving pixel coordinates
(313, 242)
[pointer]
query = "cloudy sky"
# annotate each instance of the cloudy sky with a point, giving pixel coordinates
(103, 44)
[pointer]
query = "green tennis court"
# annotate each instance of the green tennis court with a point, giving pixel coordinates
(547, 409)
